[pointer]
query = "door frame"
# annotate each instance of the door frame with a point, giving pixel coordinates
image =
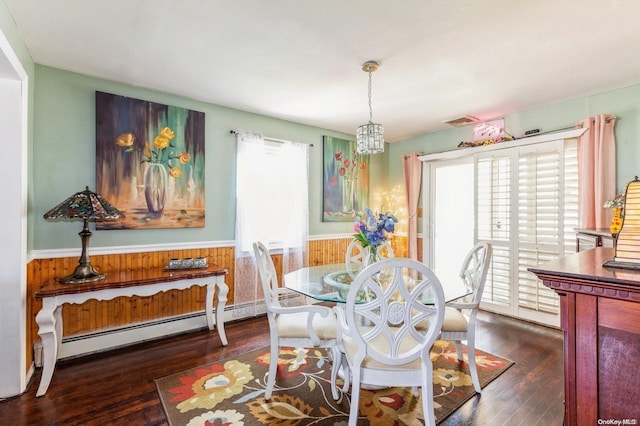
(14, 307)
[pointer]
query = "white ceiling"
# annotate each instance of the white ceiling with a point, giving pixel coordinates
(301, 60)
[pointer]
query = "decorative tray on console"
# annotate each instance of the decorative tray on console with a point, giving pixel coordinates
(187, 263)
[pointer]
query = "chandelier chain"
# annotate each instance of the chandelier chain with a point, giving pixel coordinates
(370, 107)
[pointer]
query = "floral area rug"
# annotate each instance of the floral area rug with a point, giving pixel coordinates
(231, 392)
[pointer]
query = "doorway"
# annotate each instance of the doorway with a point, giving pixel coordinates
(13, 223)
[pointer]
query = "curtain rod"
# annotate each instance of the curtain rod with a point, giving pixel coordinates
(607, 120)
(235, 132)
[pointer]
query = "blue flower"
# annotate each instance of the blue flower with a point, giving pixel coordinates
(372, 232)
(387, 221)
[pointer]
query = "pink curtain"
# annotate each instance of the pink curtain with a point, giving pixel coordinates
(412, 178)
(596, 170)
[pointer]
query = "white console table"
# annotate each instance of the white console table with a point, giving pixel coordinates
(127, 283)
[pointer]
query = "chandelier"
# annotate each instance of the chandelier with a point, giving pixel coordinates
(370, 136)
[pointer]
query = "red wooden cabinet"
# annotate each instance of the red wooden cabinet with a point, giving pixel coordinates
(600, 318)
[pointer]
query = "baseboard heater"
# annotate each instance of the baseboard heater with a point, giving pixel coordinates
(114, 338)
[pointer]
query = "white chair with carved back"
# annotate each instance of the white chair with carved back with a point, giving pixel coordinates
(386, 330)
(460, 315)
(356, 255)
(306, 326)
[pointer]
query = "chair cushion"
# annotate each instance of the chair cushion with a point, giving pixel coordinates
(295, 326)
(454, 321)
(381, 345)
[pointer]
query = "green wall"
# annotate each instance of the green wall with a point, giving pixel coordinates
(623, 103)
(64, 161)
(64, 154)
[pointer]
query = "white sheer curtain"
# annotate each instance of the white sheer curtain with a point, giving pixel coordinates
(272, 206)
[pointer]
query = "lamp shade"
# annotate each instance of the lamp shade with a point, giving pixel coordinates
(370, 138)
(88, 207)
(84, 205)
(627, 246)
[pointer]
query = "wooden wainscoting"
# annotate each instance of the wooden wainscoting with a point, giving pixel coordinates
(324, 252)
(94, 316)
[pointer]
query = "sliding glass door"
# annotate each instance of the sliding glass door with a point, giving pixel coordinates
(453, 217)
(522, 200)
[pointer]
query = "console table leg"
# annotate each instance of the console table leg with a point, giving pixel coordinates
(57, 316)
(208, 304)
(49, 328)
(223, 290)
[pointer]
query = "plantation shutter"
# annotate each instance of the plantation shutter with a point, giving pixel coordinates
(539, 224)
(493, 189)
(544, 215)
(570, 195)
(547, 217)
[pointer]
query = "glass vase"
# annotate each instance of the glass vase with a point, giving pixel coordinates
(349, 186)
(616, 221)
(370, 256)
(155, 188)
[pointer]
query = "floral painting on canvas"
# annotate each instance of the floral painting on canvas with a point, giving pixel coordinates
(150, 163)
(345, 180)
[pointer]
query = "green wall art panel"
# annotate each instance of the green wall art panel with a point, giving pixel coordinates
(150, 163)
(345, 180)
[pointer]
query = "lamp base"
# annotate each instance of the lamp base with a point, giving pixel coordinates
(84, 273)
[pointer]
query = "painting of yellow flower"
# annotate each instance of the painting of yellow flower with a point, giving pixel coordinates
(150, 162)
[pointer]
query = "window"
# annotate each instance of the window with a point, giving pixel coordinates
(272, 194)
(272, 188)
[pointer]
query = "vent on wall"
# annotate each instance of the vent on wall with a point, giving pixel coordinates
(463, 121)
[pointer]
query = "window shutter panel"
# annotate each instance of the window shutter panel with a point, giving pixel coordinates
(547, 217)
(539, 210)
(493, 189)
(570, 195)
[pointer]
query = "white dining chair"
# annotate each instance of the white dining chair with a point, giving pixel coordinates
(306, 326)
(460, 316)
(355, 256)
(386, 340)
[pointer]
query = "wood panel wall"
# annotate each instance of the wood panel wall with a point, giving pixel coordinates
(98, 315)
(95, 315)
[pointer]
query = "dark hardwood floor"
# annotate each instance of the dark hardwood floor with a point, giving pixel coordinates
(117, 387)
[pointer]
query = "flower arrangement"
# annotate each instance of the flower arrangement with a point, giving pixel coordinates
(371, 231)
(393, 199)
(348, 168)
(617, 204)
(162, 152)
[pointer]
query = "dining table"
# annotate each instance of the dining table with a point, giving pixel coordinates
(331, 283)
